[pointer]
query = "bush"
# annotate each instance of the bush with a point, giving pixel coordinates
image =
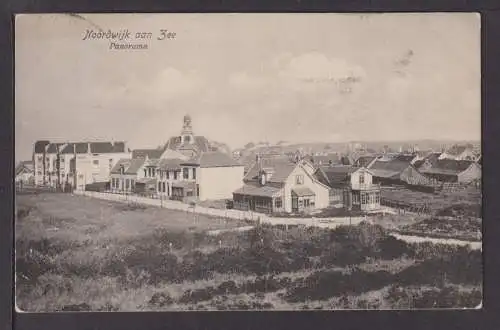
(326, 284)
(161, 299)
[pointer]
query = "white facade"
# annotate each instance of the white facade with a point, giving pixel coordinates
(301, 174)
(92, 168)
(219, 182)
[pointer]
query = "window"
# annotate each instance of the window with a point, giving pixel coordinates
(361, 178)
(306, 203)
(299, 179)
(168, 189)
(168, 174)
(39, 172)
(153, 170)
(278, 203)
(127, 184)
(40, 158)
(194, 173)
(185, 173)
(163, 186)
(159, 186)
(187, 138)
(363, 198)
(95, 162)
(145, 173)
(161, 174)
(132, 183)
(189, 193)
(175, 175)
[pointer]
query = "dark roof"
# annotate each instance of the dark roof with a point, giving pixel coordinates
(256, 190)
(419, 163)
(404, 158)
(95, 147)
(151, 153)
(325, 159)
(170, 164)
(200, 144)
(216, 159)
(449, 166)
(388, 169)
(52, 148)
(337, 175)
(119, 146)
(433, 157)
(40, 146)
(282, 168)
(131, 166)
(364, 160)
(391, 165)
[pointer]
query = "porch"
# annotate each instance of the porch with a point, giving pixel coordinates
(184, 190)
(303, 200)
(259, 199)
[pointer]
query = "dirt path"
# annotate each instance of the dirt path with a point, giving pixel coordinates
(252, 216)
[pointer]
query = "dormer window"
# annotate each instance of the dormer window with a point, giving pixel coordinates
(187, 139)
(361, 178)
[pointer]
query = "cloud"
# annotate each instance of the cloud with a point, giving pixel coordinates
(316, 67)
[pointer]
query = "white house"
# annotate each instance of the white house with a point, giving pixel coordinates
(25, 173)
(276, 185)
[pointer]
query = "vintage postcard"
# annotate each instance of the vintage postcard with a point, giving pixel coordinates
(175, 162)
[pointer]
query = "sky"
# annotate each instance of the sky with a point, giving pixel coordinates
(249, 78)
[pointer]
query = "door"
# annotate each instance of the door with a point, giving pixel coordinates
(295, 204)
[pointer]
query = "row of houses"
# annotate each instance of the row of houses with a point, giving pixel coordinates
(187, 168)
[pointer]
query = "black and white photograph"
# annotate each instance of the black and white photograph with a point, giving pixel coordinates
(246, 161)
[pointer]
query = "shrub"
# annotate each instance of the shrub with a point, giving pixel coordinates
(161, 299)
(325, 284)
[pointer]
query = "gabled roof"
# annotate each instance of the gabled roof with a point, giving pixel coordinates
(131, 166)
(282, 168)
(337, 175)
(24, 166)
(449, 166)
(364, 161)
(150, 153)
(388, 169)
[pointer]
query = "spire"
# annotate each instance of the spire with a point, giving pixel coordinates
(187, 130)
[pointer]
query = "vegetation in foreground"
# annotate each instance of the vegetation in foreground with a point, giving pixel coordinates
(105, 256)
